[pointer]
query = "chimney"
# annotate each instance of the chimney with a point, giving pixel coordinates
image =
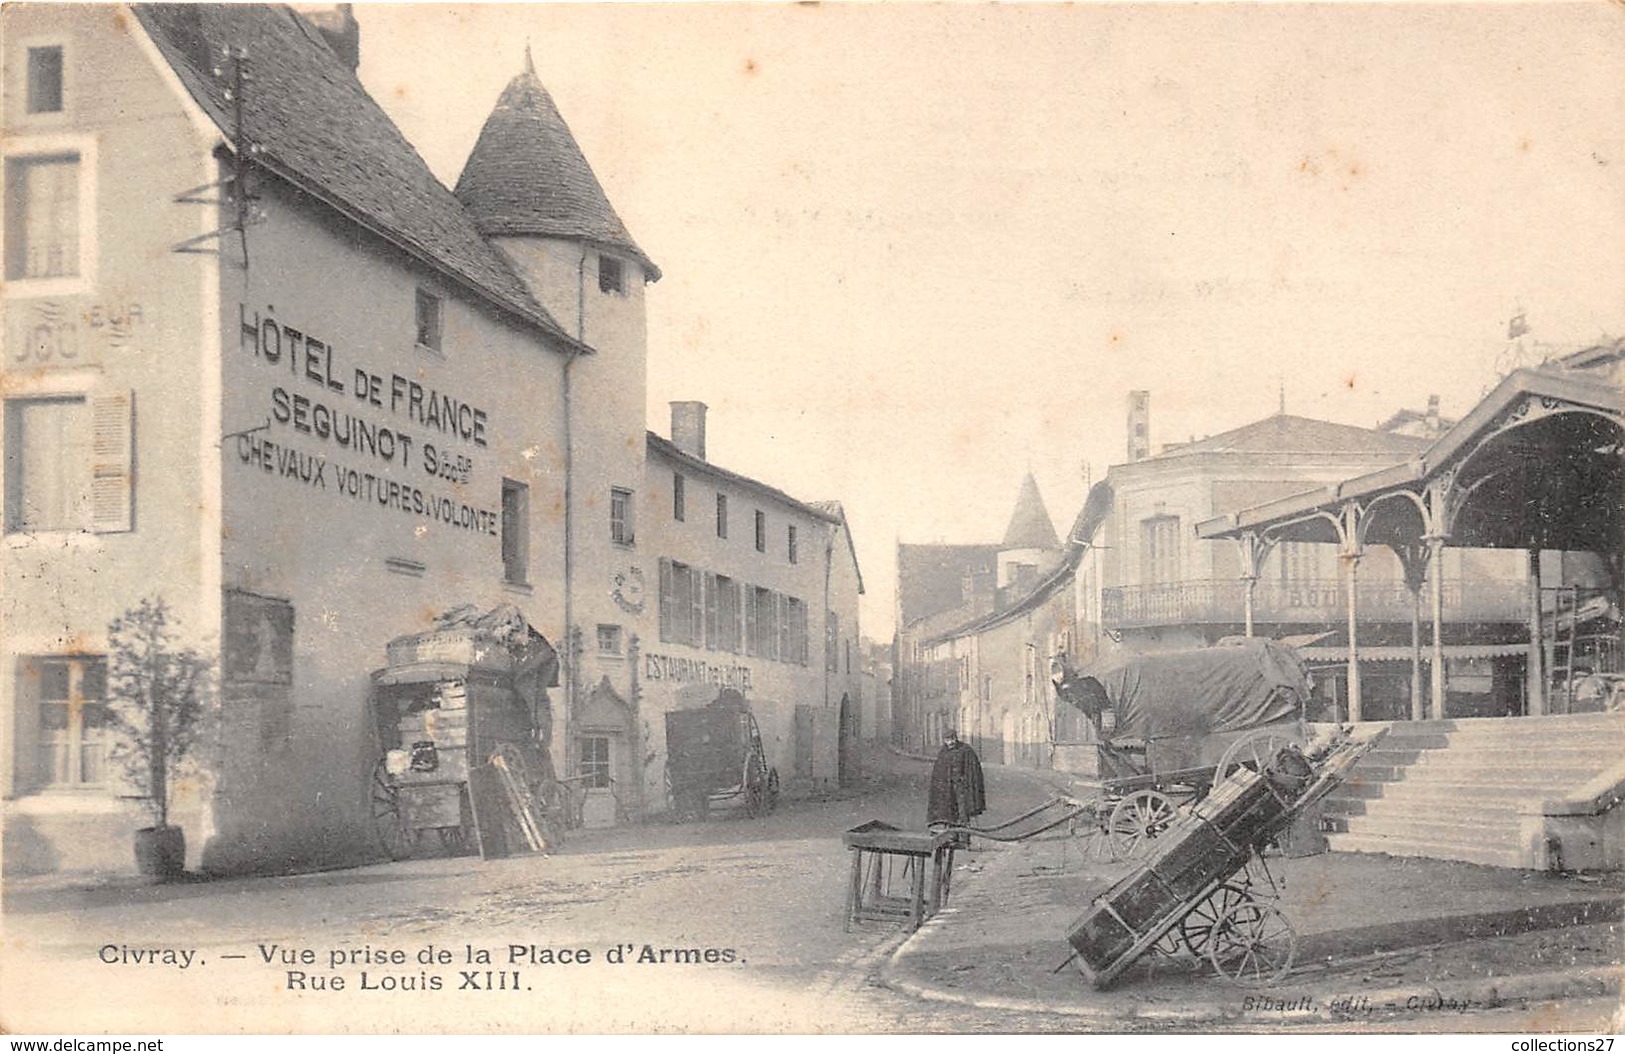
(688, 427)
(1433, 415)
(1139, 425)
(337, 25)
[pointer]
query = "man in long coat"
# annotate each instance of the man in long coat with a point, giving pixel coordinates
(956, 783)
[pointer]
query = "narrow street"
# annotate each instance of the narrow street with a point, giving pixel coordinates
(764, 896)
(767, 894)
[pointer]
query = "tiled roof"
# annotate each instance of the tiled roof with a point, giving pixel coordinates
(527, 175)
(314, 125)
(1030, 525)
(1287, 434)
(663, 447)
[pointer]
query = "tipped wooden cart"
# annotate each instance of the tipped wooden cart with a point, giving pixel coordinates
(1206, 891)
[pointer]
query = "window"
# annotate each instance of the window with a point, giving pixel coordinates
(682, 603)
(73, 721)
(793, 631)
(620, 516)
(762, 622)
(679, 500)
(790, 543)
(428, 320)
(611, 275)
(1300, 562)
(722, 624)
(1160, 548)
(609, 639)
(42, 216)
(49, 453)
(722, 515)
(595, 761)
(45, 79)
(761, 531)
(832, 642)
(515, 532)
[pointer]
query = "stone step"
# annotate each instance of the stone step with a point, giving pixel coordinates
(1468, 853)
(1490, 831)
(1486, 805)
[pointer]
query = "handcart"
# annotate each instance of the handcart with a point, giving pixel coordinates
(1171, 725)
(462, 718)
(1206, 891)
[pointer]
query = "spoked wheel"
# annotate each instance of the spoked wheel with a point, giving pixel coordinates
(1196, 929)
(1254, 750)
(755, 790)
(1253, 944)
(385, 799)
(1136, 821)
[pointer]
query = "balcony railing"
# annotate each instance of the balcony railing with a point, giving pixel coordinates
(1313, 601)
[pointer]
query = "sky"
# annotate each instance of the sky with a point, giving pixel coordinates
(912, 252)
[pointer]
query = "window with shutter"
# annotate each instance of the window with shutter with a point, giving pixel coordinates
(713, 630)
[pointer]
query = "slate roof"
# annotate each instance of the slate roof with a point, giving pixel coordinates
(527, 175)
(1030, 526)
(315, 126)
(1288, 434)
(930, 578)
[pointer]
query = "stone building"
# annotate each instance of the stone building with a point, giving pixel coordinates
(260, 360)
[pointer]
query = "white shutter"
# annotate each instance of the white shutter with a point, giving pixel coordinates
(712, 635)
(112, 498)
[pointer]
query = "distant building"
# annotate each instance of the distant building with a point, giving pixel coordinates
(944, 678)
(1162, 588)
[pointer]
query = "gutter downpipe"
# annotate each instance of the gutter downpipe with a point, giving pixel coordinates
(569, 508)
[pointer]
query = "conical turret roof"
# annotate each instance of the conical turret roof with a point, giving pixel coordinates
(527, 175)
(1030, 525)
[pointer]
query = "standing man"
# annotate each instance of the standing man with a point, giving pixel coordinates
(956, 783)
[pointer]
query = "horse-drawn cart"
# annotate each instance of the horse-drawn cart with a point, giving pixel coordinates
(715, 757)
(1170, 725)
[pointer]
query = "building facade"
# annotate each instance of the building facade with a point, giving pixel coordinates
(261, 362)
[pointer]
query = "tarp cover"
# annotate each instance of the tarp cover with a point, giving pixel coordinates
(1200, 692)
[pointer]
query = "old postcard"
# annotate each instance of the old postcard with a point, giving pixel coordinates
(812, 518)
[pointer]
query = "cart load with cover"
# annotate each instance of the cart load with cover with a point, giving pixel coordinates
(463, 725)
(1169, 725)
(714, 756)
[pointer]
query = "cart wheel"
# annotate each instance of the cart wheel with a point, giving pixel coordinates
(755, 790)
(1254, 750)
(772, 789)
(385, 799)
(1253, 944)
(1196, 929)
(1137, 820)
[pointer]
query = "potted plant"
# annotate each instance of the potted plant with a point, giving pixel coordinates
(156, 692)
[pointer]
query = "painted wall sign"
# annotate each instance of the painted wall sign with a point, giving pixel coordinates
(338, 417)
(55, 333)
(695, 671)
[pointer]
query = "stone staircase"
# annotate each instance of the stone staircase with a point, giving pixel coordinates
(1470, 789)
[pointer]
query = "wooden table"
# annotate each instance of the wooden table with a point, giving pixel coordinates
(884, 859)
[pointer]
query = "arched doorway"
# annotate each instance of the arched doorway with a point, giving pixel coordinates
(846, 744)
(603, 752)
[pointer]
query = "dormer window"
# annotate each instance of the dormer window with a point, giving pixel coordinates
(611, 275)
(428, 321)
(45, 79)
